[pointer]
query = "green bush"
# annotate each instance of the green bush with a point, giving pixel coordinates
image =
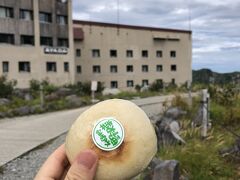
(34, 85)
(156, 86)
(48, 88)
(84, 89)
(180, 102)
(138, 88)
(6, 87)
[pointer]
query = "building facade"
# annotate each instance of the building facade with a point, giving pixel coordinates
(36, 41)
(39, 40)
(123, 56)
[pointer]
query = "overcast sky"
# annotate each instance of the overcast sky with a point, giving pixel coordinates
(215, 24)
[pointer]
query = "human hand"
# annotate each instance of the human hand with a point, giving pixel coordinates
(57, 167)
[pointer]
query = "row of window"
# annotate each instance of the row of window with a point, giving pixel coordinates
(29, 40)
(130, 83)
(25, 66)
(129, 68)
(129, 53)
(25, 14)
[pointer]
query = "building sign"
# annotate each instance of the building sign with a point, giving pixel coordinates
(94, 85)
(55, 50)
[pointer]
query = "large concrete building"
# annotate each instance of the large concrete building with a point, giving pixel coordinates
(36, 41)
(39, 40)
(123, 56)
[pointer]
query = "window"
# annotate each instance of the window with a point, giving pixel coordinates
(5, 66)
(66, 67)
(144, 82)
(27, 40)
(173, 67)
(129, 53)
(51, 67)
(7, 38)
(95, 53)
(78, 52)
(144, 68)
(129, 68)
(62, 20)
(159, 54)
(62, 1)
(46, 41)
(79, 69)
(6, 12)
(113, 53)
(45, 17)
(96, 69)
(159, 68)
(114, 84)
(130, 83)
(145, 53)
(113, 69)
(24, 66)
(62, 42)
(26, 14)
(172, 54)
(173, 81)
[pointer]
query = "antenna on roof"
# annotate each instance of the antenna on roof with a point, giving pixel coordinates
(189, 16)
(118, 12)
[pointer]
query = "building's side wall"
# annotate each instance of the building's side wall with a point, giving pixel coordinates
(13, 54)
(106, 38)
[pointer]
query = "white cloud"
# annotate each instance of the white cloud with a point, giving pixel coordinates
(181, 11)
(81, 16)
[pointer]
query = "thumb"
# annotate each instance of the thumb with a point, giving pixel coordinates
(84, 167)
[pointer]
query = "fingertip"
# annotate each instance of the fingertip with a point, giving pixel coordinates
(87, 158)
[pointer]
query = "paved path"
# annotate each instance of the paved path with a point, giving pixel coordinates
(22, 134)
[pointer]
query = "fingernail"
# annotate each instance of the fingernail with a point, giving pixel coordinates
(87, 158)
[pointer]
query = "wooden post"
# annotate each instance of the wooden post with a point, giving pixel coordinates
(189, 85)
(204, 112)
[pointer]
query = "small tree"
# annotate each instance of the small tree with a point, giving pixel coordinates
(138, 88)
(156, 86)
(34, 85)
(6, 87)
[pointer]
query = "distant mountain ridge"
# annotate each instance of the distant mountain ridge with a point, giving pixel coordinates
(206, 76)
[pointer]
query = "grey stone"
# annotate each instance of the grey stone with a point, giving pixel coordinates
(62, 92)
(51, 97)
(108, 91)
(28, 97)
(3, 114)
(167, 170)
(74, 101)
(20, 93)
(36, 109)
(155, 161)
(4, 101)
(24, 110)
(174, 126)
(174, 113)
(167, 127)
(234, 150)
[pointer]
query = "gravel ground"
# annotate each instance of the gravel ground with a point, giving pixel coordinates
(26, 166)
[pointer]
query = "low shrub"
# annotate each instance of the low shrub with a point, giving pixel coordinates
(6, 87)
(200, 159)
(156, 86)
